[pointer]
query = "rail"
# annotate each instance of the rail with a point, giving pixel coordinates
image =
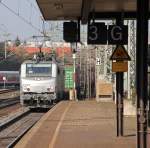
(2, 91)
(31, 118)
(13, 143)
(17, 127)
(13, 120)
(8, 102)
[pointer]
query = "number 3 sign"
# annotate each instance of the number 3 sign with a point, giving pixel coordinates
(97, 33)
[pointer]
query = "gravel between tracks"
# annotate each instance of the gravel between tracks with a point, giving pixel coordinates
(5, 112)
(9, 134)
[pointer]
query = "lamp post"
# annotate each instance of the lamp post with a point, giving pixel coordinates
(74, 70)
(6, 35)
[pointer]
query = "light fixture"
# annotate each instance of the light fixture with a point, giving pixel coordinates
(58, 6)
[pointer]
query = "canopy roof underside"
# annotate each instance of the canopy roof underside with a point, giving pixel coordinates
(74, 9)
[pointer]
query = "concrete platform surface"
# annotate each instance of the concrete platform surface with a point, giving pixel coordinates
(82, 124)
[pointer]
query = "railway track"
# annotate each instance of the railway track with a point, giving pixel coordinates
(9, 102)
(11, 131)
(8, 97)
(2, 91)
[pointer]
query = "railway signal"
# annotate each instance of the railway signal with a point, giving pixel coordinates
(121, 57)
(71, 32)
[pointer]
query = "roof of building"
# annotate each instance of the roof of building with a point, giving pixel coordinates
(60, 51)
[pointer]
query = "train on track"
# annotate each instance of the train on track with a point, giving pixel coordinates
(9, 79)
(41, 83)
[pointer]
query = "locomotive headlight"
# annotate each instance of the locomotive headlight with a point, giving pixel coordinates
(51, 88)
(48, 89)
(26, 87)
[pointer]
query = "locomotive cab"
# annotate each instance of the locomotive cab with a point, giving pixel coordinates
(39, 84)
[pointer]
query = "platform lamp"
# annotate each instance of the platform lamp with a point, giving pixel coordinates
(74, 67)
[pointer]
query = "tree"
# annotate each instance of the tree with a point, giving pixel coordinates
(22, 54)
(17, 42)
(2, 49)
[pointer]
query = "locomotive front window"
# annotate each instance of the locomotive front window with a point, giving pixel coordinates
(39, 69)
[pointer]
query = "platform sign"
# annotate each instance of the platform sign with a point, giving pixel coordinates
(69, 77)
(120, 53)
(120, 66)
(97, 33)
(118, 34)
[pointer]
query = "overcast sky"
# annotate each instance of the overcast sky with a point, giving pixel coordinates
(10, 23)
(14, 25)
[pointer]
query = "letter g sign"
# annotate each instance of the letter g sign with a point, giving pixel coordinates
(118, 34)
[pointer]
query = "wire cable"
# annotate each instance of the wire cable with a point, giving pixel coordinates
(33, 5)
(21, 17)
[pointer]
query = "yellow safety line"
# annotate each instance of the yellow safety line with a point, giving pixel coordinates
(35, 128)
(53, 141)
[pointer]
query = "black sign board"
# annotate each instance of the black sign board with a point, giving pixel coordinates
(118, 34)
(70, 33)
(97, 33)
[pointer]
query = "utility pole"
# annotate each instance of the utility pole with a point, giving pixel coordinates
(6, 35)
(5, 44)
(5, 48)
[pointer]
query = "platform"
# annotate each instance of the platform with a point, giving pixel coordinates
(82, 124)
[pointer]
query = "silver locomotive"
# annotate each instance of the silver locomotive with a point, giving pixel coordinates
(41, 83)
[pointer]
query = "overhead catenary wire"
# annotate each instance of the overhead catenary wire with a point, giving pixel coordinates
(21, 17)
(32, 5)
(5, 32)
(19, 6)
(37, 9)
(2, 30)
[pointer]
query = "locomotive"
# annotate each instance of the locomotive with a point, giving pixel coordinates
(41, 83)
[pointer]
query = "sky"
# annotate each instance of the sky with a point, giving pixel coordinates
(12, 26)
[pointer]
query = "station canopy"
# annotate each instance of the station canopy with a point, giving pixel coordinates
(74, 9)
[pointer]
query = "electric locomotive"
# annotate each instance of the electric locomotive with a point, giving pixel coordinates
(41, 83)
